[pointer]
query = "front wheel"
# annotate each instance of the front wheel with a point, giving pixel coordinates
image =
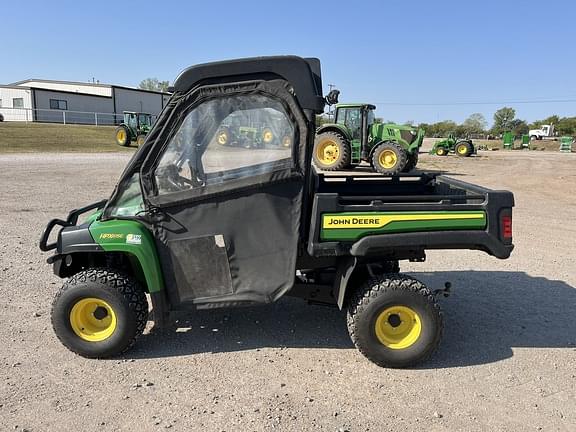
(389, 158)
(99, 313)
(140, 139)
(394, 321)
(412, 162)
(441, 151)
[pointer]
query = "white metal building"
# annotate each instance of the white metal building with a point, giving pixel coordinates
(75, 102)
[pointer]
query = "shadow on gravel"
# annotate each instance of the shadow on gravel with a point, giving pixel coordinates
(487, 315)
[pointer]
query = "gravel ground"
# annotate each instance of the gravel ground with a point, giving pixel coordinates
(507, 361)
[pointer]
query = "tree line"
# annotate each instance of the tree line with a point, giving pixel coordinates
(476, 124)
(504, 120)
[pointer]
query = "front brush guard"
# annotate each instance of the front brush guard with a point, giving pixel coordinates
(71, 220)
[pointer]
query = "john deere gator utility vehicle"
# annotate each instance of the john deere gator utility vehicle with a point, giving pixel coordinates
(199, 226)
(461, 146)
(135, 127)
(355, 137)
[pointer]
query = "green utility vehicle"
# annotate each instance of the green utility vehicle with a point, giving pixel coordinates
(135, 127)
(196, 230)
(461, 146)
(356, 137)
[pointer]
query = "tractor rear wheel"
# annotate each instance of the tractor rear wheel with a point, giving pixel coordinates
(331, 151)
(223, 136)
(389, 158)
(99, 313)
(412, 162)
(122, 135)
(463, 148)
(395, 321)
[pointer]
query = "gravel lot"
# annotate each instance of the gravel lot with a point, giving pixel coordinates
(507, 361)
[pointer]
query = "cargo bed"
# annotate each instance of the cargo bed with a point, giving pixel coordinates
(401, 217)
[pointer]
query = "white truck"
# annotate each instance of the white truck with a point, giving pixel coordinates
(545, 131)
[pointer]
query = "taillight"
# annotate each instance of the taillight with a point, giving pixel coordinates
(506, 226)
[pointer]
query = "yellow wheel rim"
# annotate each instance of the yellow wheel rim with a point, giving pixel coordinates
(287, 141)
(388, 159)
(327, 152)
(222, 138)
(398, 327)
(141, 140)
(93, 320)
(267, 136)
(440, 152)
(121, 136)
(462, 149)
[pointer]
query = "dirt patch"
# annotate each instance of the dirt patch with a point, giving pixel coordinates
(507, 361)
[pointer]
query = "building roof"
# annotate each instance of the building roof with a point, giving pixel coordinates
(30, 83)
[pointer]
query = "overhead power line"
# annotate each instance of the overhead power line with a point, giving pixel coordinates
(511, 102)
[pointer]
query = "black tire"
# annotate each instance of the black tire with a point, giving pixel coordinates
(379, 154)
(463, 148)
(267, 136)
(120, 292)
(322, 155)
(441, 151)
(390, 292)
(122, 135)
(533, 137)
(223, 136)
(412, 162)
(1, 118)
(140, 139)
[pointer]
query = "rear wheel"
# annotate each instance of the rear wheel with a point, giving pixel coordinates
(99, 313)
(331, 151)
(394, 321)
(389, 158)
(223, 136)
(463, 148)
(122, 135)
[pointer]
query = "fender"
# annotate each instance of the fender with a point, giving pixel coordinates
(133, 238)
(333, 127)
(345, 270)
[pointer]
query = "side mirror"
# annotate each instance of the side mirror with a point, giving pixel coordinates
(332, 97)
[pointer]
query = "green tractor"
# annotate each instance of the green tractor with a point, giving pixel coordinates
(461, 146)
(355, 137)
(134, 128)
(252, 130)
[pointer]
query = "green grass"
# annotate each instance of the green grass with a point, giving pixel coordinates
(20, 137)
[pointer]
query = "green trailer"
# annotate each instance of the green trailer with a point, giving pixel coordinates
(355, 136)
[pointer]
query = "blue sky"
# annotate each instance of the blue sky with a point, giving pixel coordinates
(417, 60)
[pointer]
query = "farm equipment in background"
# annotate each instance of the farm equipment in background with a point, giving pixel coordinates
(135, 127)
(355, 137)
(461, 146)
(544, 131)
(251, 129)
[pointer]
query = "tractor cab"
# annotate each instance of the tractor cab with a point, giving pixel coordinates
(357, 118)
